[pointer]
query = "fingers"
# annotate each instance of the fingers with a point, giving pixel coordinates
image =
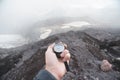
(50, 56)
(49, 52)
(65, 55)
(65, 45)
(50, 47)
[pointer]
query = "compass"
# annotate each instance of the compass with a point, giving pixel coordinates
(58, 49)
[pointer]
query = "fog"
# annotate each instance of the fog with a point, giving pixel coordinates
(19, 16)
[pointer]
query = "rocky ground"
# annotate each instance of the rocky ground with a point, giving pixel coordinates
(87, 49)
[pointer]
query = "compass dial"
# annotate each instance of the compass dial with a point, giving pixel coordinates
(59, 48)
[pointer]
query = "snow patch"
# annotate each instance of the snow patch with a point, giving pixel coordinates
(45, 34)
(65, 26)
(78, 24)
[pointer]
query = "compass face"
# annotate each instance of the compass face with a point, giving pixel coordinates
(59, 48)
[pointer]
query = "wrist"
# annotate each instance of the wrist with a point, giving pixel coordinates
(53, 72)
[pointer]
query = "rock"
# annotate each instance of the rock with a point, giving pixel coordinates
(106, 66)
(26, 61)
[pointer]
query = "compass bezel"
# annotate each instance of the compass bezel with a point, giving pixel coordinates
(59, 48)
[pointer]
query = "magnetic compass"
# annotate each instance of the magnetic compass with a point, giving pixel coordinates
(58, 49)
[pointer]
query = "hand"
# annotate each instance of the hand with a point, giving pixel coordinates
(54, 65)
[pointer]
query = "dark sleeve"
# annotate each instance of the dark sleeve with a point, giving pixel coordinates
(44, 75)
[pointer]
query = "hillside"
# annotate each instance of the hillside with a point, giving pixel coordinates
(87, 48)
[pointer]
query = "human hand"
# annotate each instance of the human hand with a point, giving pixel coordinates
(56, 65)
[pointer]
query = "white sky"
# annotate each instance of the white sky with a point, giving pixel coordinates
(16, 14)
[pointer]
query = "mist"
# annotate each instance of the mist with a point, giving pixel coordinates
(17, 14)
(21, 16)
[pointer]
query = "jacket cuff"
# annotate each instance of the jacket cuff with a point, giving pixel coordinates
(44, 75)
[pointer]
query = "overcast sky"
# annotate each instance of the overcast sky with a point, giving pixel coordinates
(17, 14)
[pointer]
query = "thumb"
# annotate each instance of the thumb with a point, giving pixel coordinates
(49, 53)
